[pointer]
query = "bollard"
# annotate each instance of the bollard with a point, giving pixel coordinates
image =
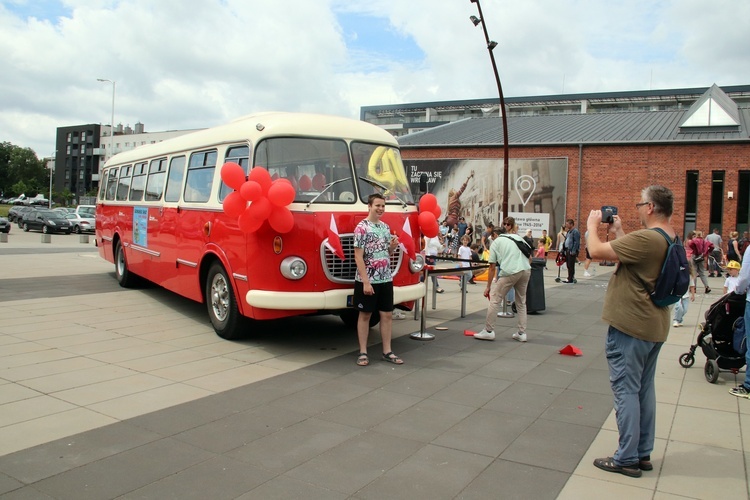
(46, 238)
(3, 237)
(84, 238)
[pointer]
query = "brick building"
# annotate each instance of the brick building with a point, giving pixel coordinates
(702, 153)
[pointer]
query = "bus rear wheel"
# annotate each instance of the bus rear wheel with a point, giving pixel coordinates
(125, 278)
(222, 304)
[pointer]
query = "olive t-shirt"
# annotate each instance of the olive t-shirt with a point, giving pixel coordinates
(627, 305)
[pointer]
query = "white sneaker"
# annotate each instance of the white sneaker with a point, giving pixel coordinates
(399, 315)
(676, 324)
(587, 274)
(485, 335)
(519, 336)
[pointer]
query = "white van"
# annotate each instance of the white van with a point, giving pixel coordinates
(85, 210)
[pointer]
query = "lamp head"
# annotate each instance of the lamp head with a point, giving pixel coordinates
(475, 20)
(491, 45)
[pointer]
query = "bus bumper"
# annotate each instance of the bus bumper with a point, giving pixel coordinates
(331, 299)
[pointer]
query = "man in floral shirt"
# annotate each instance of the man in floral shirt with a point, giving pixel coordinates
(373, 282)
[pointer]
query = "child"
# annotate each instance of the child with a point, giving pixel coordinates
(475, 258)
(465, 253)
(730, 284)
(681, 306)
(540, 249)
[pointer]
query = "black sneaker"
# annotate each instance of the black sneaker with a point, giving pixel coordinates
(740, 391)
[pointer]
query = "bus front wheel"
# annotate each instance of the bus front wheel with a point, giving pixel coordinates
(222, 305)
(125, 278)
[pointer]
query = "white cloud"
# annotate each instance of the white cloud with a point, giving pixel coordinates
(182, 65)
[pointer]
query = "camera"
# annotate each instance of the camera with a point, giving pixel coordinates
(608, 214)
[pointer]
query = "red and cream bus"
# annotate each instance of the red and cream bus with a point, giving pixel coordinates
(159, 216)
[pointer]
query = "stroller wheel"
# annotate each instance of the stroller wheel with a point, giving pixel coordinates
(711, 371)
(687, 360)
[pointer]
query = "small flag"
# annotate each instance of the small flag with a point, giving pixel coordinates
(334, 242)
(407, 241)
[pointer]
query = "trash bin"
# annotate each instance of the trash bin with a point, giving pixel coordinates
(535, 292)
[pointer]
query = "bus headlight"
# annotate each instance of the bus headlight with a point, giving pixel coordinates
(417, 264)
(293, 268)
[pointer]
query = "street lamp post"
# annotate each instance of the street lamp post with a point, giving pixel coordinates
(490, 46)
(51, 167)
(112, 126)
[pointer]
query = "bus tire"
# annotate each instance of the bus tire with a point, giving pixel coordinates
(125, 278)
(221, 304)
(351, 316)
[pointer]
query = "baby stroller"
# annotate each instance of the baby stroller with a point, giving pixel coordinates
(716, 336)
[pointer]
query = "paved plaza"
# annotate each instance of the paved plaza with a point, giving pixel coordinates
(110, 393)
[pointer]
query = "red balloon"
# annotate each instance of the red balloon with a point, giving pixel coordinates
(249, 222)
(232, 175)
(319, 182)
(436, 211)
(427, 202)
(281, 220)
(260, 208)
(234, 204)
(251, 190)
(281, 194)
(428, 224)
(305, 183)
(262, 177)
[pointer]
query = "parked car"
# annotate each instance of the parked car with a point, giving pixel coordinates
(65, 210)
(86, 209)
(18, 219)
(46, 220)
(13, 213)
(4, 225)
(81, 223)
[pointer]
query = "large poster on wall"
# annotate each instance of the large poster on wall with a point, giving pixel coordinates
(473, 189)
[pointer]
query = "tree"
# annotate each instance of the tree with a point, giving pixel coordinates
(21, 165)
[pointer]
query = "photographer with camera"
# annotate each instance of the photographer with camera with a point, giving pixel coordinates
(637, 326)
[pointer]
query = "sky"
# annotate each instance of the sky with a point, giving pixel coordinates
(190, 64)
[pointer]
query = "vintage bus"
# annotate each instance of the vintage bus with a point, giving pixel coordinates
(159, 217)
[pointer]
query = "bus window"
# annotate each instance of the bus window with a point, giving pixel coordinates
(200, 177)
(311, 165)
(103, 185)
(111, 184)
(139, 182)
(174, 181)
(239, 155)
(123, 185)
(157, 172)
(380, 169)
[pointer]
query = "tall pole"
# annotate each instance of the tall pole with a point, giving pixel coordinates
(112, 126)
(490, 46)
(51, 167)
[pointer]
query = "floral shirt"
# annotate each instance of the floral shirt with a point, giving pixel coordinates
(375, 239)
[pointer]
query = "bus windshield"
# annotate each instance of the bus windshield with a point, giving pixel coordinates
(380, 169)
(319, 169)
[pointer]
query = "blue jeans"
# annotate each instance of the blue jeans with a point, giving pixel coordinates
(680, 308)
(747, 336)
(632, 366)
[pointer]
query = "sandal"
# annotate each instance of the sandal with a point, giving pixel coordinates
(362, 359)
(392, 358)
(608, 464)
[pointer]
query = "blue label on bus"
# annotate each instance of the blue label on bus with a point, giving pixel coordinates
(140, 226)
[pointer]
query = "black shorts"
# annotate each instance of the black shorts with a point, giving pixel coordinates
(588, 255)
(382, 300)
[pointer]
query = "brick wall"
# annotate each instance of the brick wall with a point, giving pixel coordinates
(615, 175)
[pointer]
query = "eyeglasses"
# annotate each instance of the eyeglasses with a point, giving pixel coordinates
(639, 205)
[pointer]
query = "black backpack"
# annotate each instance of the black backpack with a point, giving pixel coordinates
(521, 244)
(674, 279)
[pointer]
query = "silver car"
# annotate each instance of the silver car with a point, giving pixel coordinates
(83, 223)
(4, 225)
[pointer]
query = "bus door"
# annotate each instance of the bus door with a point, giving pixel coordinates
(148, 186)
(168, 223)
(195, 216)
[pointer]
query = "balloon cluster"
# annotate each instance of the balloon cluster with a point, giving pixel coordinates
(269, 199)
(429, 211)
